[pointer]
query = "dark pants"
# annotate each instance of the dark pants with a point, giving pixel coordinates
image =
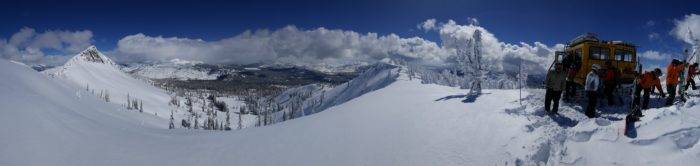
(592, 103)
(644, 98)
(671, 88)
(552, 95)
(570, 90)
(609, 93)
(691, 84)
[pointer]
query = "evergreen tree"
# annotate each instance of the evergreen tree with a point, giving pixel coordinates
(228, 121)
(172, 125)
(241, 110)
(128, 102)
(141, 106)
(196, 122)
(107, 96)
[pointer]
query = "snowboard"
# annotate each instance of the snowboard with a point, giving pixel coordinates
(630, 129)
(683, 81)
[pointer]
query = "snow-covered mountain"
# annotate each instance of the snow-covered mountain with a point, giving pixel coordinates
(176, 69)
(95, 72)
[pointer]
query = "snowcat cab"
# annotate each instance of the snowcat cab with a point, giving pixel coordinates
(590, 50)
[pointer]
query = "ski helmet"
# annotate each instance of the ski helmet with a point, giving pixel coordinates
(658, 72)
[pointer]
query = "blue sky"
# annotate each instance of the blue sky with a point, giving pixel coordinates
(549, 22)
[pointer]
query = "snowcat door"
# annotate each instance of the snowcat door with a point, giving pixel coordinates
(558, 58)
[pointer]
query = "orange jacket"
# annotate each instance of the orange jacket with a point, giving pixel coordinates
(649, 80)
(672, 73)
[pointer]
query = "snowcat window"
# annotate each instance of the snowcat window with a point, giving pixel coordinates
(599, 53)
(623, 55)
(578, 53)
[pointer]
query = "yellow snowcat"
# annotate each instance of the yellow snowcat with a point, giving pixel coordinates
(591, 50)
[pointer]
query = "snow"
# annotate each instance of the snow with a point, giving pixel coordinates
(322, 97)
(403, 123)
(177, 69)
(103, 75)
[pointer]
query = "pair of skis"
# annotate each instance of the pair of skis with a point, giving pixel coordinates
(684, 81)
(635, 109)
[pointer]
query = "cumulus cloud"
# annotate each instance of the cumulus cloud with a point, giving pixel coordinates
(428, 24)
(29, 46)
(499, 55)
(685, 26)
(334, 47)
(290, 44)
(654, 55)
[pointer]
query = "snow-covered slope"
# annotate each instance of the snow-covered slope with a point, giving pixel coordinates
(92, 70)
(404, 123)
(46, 123)
(320, 97)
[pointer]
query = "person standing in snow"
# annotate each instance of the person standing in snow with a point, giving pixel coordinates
(555, 82)
(646, 83)
(673, 72)
(571, 64)
(692, 72)
(610, 79)
(591, 87)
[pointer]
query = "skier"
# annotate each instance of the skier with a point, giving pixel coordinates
(571, 63)
(610, 79)
(673, 72)
(646, 83)
(692, 71)
(555, 82)
(591, 88)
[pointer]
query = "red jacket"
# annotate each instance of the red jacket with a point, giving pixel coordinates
(692, 71)
(672, 73)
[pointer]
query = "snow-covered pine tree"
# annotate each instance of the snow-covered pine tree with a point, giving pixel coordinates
(476, 66)
(107, 96)
(128, 102)
(172, 125)
(196, 122)
(188, 103)
(241, 110)
(228, 120)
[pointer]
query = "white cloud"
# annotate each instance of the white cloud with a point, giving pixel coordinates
(287, 45)
(654, 55)
(28, 46)
(650, 23)
(653, 36)
(332, 47)
(428, 24)
(500, 55)
(689, 23)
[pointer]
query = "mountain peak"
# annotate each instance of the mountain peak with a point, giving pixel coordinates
(91, 54)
